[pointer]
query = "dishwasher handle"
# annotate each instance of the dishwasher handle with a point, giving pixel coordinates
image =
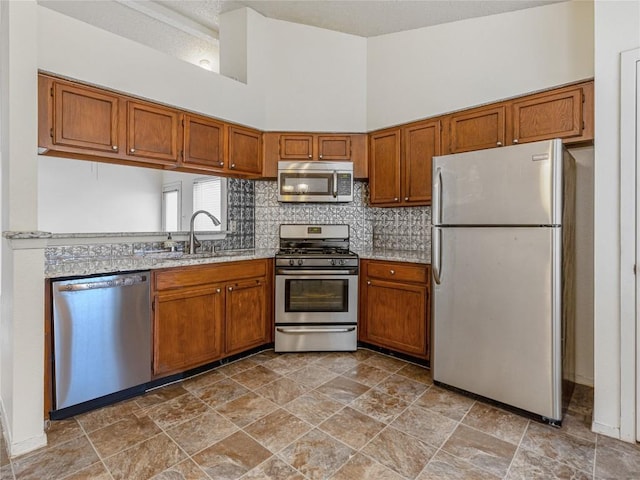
(99, 284)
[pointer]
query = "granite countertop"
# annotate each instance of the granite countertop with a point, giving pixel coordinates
(411, 256)
(151, 261)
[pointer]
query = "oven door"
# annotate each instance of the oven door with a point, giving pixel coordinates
(316, 296)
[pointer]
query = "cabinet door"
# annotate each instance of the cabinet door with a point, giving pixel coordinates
(203, 143)
(477, 129)
(246, 324)
(396, 316)
(421, 142)
(152, 133)
(334, 147)
(296, 147)
(85, 118)
(384, 167)
(547, 116)
(187, 328)
(244, 150)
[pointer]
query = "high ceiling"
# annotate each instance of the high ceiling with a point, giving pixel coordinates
(188, 29)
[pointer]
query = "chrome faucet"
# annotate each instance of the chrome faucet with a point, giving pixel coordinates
(193, 241)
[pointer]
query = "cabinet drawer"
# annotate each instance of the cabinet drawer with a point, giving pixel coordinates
(404, 272)
(206, 274)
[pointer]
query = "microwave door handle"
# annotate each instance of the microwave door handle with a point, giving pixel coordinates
(335, 184)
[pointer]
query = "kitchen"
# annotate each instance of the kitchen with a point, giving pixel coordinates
(347, 114)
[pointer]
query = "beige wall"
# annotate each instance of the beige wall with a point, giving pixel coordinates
(617, 28)
(21, 325)
(428, 71)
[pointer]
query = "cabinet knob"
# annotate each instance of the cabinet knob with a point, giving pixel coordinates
(132, 150)
(217, 290)
(406, 199)
(368, 282)
(309, 155)
(233, 165)
(114, 147)
(320, 155)
(395, 199)
(392, 272)
(221, 164)
(230, 288)
(499, 144)
(515, 140)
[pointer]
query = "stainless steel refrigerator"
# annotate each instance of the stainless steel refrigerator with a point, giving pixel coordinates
(502, 263)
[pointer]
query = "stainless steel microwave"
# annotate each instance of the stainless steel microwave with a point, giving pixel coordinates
(317, 181)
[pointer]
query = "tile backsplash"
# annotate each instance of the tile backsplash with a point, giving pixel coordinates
(395, 228)
(270, 214)
(254, 216)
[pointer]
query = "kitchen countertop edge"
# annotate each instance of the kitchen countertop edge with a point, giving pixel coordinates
(409, 256)
(77, 267)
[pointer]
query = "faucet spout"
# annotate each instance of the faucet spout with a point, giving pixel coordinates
(193, 241)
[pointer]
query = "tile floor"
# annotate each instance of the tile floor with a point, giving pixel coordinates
(339, 416)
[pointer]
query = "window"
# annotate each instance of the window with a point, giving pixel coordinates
(171, 207)
(210, 194)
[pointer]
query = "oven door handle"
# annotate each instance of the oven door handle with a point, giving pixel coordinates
(315, 330)
(284, 271)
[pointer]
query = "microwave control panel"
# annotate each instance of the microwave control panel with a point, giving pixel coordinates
(344, 184)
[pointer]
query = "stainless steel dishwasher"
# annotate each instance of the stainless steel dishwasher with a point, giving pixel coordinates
(101, 335)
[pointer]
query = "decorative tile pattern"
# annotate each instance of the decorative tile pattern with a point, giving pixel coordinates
(386, 421)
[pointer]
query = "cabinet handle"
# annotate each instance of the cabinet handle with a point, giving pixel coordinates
(309, 155)
(320, 155)
(230, 288)
(395, 199)
(221, 164)
(368, 282)
(217, 290)
(406, 199)
(515, 140)
(233, 165)
(115, 147)
(392, 272)
(132, 150)
(499, 144)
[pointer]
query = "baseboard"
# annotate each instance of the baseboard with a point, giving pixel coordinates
(584, 380)
(25, 446)
(608, 430)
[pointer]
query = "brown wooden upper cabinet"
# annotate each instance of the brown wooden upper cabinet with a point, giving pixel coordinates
(85, 122)
(477, 129)
(315, 146)
(557, 114)
(84, 118)
(203, 143)
(153, 132)
(244, 150)
(565, 113)
(400, 164)
(384, 167)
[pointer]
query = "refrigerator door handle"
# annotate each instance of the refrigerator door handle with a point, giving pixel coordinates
(436, 254)
(437, 197)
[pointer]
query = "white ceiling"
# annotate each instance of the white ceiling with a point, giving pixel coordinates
(188, 29)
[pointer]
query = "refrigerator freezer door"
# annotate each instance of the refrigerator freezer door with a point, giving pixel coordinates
(496, 315)
(517, 185)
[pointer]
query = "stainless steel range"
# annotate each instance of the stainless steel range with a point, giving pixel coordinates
(316, 291)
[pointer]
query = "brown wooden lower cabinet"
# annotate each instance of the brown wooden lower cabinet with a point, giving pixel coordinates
(207, 312)
(187, 328)
(246, 322)
(394, 306)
